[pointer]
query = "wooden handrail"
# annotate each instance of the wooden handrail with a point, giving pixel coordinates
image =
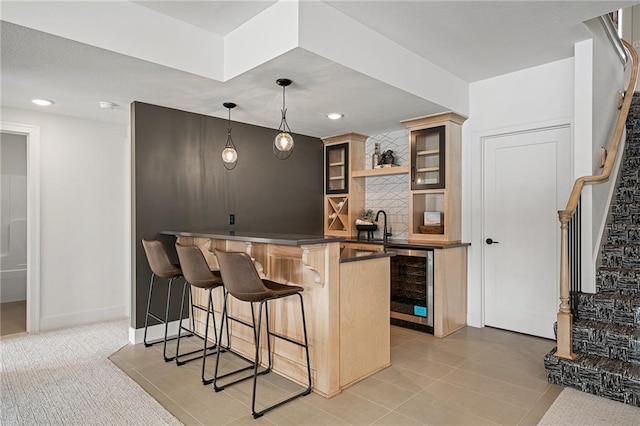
(615, 139)
(565, 319)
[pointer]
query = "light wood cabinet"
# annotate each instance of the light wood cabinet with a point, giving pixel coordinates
(365, 346)
(344, 195)
(450, 290)
(435, 177)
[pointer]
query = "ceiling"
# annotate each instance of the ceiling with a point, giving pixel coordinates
(377, 62)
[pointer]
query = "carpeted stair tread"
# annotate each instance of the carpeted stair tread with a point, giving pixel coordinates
(610, 308)
(626, 213)
(621, 256)
(610, 378)
(627, 195)
(616, 245)
(632, 147)
(609, 340)
(623, 233)
(631, 270)
(625, 281)
(629, 178)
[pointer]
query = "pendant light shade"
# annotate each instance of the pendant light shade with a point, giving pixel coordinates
(229, 153)
(283, 142)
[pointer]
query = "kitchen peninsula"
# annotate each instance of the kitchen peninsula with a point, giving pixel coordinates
(346, 296)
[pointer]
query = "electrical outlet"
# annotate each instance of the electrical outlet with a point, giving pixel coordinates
(232, 219)
(636, 44)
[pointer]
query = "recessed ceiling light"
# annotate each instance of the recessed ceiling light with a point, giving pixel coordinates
(335, 116)
(106, 105)
(42, 102)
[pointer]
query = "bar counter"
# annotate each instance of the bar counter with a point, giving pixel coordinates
(257, 237)
(346, 302)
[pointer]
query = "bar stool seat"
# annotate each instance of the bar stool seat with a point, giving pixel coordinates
(197, 274)
(162, 267)
(241, 280)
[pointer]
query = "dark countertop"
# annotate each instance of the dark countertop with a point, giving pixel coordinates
(351, 255)
(406, 244)
(257, 237)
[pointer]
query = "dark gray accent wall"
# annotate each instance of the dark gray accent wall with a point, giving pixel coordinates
(181, 184)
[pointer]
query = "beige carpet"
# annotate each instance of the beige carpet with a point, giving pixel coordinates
(64, 377)
(573, 407)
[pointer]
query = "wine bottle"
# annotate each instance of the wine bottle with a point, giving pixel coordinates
(375, 158)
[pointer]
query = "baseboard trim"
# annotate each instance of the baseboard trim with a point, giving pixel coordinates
(79, 318)
(155, 332)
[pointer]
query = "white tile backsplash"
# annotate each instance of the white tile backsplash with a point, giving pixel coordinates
(390, 193)
(397, 141)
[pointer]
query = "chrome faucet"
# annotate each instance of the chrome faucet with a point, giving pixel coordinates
(385, 233)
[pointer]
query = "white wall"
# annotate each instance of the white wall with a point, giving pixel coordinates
(528, 99)
(631, 26)
(84, 225)
(608, 79)
(583, 159)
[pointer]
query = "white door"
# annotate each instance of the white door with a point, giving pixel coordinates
(527, 178)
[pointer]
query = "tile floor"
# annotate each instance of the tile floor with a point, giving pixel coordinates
(473, 377)
(13, 317)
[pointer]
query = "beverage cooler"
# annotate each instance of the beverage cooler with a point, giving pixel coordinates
(412, 289)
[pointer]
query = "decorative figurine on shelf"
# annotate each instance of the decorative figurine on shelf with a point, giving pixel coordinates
(387, 159)
(365, 222)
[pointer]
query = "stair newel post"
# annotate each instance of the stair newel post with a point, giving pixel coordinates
(565, 318)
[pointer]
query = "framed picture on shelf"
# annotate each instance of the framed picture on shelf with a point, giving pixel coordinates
(432, 218)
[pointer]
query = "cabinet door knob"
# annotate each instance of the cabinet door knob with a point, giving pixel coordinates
(490, 241)
(413, 174)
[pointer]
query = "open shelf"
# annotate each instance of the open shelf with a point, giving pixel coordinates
(427, 201)
(383, 171)
(429, 152)
(427, 169)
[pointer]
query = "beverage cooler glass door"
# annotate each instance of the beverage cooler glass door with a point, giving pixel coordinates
(412, 288)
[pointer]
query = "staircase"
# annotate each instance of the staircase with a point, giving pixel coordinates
(606, 329)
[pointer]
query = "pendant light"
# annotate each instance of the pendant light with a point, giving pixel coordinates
(229, 153)
(283, 143)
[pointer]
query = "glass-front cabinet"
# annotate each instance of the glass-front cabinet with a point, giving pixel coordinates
(428, 158)
(344, 194)
(337, 169)
(435, 197)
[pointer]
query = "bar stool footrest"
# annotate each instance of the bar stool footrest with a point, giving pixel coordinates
(287, 338)
(210, 348)
(161, 340)
(257, 414)
(242, 379)
(251, 366)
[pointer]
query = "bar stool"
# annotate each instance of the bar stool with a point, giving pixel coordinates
(197, 273)
(162, 267)
(242, 281)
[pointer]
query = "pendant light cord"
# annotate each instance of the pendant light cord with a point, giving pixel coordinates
(284, 97)
(283, 123)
